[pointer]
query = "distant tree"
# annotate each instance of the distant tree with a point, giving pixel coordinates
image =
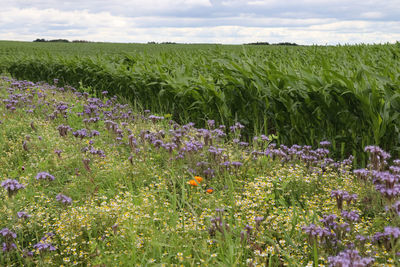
(81, 41)
(59, 41)
(258, 43)
(40, 40)
(287, 43)
(152, 42)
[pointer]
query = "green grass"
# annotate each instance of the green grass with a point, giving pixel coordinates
(144, 211)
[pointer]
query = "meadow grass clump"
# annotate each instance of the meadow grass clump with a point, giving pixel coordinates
(90, 181)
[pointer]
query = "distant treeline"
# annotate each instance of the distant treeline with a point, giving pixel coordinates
(61, 41)
(152, 42)
(266, 43)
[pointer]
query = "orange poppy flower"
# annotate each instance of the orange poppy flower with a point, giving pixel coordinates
(193, 183)
(210, 190)
(198, 179)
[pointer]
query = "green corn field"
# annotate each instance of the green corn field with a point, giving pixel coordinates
(349, 95)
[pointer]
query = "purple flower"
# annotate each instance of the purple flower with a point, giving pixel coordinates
(362, 174)
(237, 126)
(155, 118)
(23, 215)
(169, 147)
(314, 231)
(209, 172)
(58, 152)
(80, 133)
(7, 234)
(26, 253)
(63, 129)
(48, 235)
(258, 220)
(243, 144)
(95, 133)
(44, 246)
(12, 186)
(349, 258)
(8, 246)
(392, 232)
(377, 157)
(325, 143)
(237, 164)
(64, 199)
(395, 207)
(395, 169)
(351, 216)
(44, 176)
(329, 221)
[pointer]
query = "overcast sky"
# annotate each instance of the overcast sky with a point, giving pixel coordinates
(203, 21)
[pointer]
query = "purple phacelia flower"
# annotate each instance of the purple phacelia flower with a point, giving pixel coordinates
(58, 152)
(12, 186)
(349, 258)
(395, 207)
(392, 232)
(325, 143)
(395, 169)
(258, 220)
(340, 196)
(362, 174)
(63, 129)
(8, 246)
(44, 246)
(377, 157)
(44, 176)
(23, 215)
(80, 133)
(329, 221)
(64, 199)
(314, 231)
(26, 253)
(8, 234)
(95, 133)
(351, 216)
(169, 147)
(236, 164)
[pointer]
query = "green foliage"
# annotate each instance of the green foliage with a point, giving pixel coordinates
(348, 94)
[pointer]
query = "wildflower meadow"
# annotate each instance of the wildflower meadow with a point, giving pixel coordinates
(89, 180)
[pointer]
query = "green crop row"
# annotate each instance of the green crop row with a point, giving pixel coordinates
(349, 95)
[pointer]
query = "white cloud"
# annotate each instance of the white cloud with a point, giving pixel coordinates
(221, 21)
(372, 15)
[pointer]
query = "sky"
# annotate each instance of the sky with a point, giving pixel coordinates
(304, 22)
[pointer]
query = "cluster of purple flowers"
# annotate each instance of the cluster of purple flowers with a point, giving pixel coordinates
(377, 157)
(64, 199)
(81, 133)
(341, 196)
(63, 129)
(8, 236)
(44, 176)
(350, 258)
(12, 186)
(386, 183)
